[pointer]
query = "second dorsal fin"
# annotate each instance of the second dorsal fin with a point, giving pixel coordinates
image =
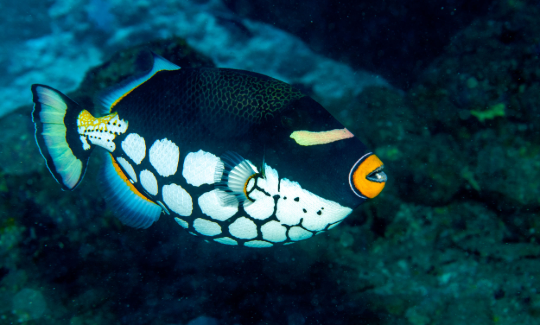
(112, 96)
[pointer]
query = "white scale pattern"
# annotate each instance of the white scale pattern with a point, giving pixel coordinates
(243, 228)
(128, 168)
(134, 147)
(164, 157)
(262, 208)
(299, 233)
(270, 184)
(226, 241)
(250, 184)
(289, 212)
(149, 181)
(211, 205)
(258, 244)
(199, 168)
(273, 231)
(177, 199)
(183, 223)
(206, 227)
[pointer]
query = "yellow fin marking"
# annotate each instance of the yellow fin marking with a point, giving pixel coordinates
(100, 131)
(308, 138)
(86, 119)
(126, 180)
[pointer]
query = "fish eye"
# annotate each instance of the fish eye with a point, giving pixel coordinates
(367, 178)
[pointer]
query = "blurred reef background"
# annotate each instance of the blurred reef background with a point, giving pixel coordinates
(447, 92)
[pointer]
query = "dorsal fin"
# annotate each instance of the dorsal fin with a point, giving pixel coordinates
(111, 96)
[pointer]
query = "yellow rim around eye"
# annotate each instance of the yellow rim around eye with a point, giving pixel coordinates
(368, 177)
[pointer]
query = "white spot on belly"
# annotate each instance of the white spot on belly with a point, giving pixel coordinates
(164, 156)
(182, 222)
(199, 168)
(298, 233)
(258, 244)
(135, 147)
(211, 204)
(177, 199)
(243, 228)
(270, 183)
(128, 168)
(295, 203)
(206, 227)
(226, 241)
(149, 181)
(262, 208)
(274, 232)
(250, 184)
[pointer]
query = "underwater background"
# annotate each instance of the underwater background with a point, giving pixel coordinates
(446, 92)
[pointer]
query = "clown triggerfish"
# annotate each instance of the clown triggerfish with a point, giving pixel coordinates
(233, 156)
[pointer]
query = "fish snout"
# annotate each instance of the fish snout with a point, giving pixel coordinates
(367, 177)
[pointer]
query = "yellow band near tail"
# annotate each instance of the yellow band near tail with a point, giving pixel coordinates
(124, 178)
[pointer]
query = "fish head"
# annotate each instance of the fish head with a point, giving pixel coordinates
(330, 160)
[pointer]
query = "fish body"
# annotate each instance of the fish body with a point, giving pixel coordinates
(233, 156)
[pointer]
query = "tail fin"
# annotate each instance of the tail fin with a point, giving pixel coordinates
(55, 117)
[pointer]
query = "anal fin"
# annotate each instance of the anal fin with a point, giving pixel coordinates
(129, 205)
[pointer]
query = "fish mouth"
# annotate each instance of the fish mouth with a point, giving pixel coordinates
(366, 177)
(377, 175)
